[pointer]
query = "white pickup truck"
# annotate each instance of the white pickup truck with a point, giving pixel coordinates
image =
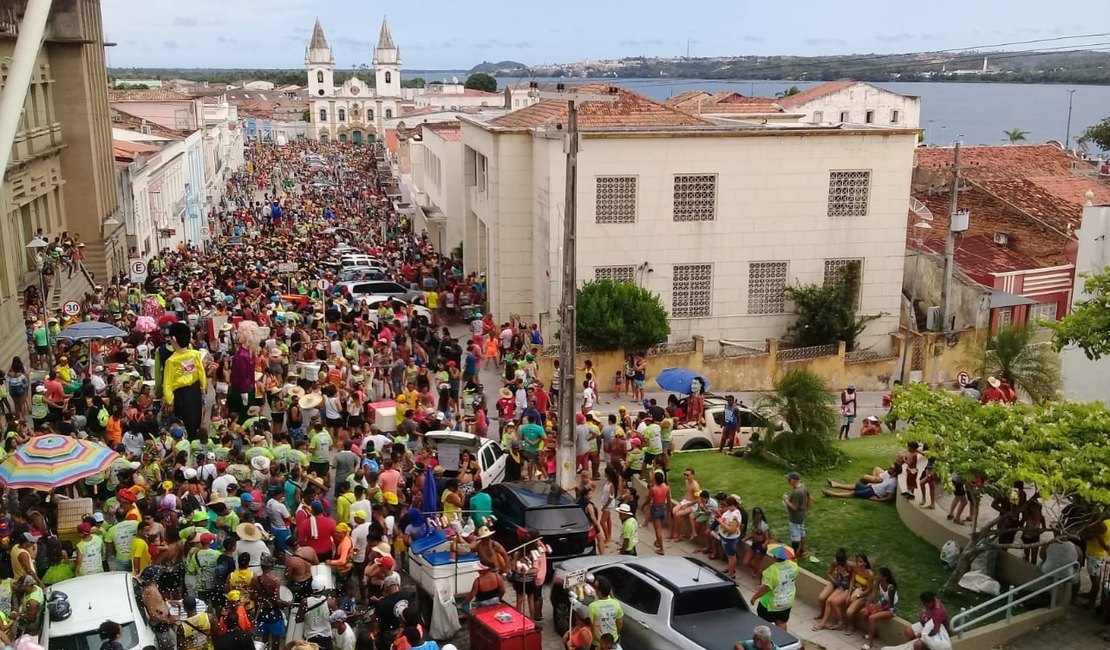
(709, 436)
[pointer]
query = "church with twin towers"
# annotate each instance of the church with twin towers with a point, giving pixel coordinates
(354, 111)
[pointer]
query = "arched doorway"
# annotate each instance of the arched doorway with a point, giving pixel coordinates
(356, 137)
(324, 138)
(342, 137)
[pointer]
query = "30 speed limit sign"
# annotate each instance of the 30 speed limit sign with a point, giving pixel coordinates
(71, 308)
(138, 271)
(322, 284)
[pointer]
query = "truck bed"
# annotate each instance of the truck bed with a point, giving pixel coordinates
(720, 630)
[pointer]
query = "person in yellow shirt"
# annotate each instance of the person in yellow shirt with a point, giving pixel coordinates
(1098, 554)
(140, 550)
(240, 579)
(343, 501)
(183, 380)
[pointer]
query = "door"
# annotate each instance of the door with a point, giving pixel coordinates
(356, 137)
(342, 137)
(643, 626)
(492, 458)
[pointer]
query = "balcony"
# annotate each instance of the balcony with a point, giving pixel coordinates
(35, 143)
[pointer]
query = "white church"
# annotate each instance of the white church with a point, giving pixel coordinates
(353, 112)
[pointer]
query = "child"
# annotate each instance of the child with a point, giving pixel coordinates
(959, 500)
(759, 535)
(618, 384)
(928, 482)
(493, 352)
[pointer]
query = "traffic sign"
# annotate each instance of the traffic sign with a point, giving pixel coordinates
(71, 308)
(138, 271)
(963, 378)
(322, 284)
(287, 267)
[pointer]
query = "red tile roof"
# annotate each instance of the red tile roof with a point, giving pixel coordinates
(146, 95)
(698, 102)
(126, 152)
(978, 254)
(630, 110)
(816, 92)
(449, 131)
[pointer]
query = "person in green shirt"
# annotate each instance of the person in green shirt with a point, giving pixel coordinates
(775, 594)
(628, 529)
(226, 519)
(653, 442)
(119, 539)
(532, 436)
(258, 448)
(320, 447)
(606, 613)
(90, 551)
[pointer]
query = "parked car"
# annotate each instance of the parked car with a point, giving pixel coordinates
(523, 508)
(420, 312)
(358, 259)
(352, 273)
(709, 436)
(386, 288)
(94, 599)
(489, 454)
(670, 603)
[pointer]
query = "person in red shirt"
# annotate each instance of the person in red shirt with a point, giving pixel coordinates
(994, 391)
(315, 530)
(543, 400)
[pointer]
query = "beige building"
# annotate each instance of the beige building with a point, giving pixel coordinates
(61, 175)
(716, 216)
(437, 182)
(854, 102)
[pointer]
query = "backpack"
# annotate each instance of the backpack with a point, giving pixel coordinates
(102, 417)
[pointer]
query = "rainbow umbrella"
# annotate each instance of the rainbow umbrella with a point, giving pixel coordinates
(47, 462)
(780, 552)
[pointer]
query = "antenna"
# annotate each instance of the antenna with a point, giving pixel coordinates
(697, 577)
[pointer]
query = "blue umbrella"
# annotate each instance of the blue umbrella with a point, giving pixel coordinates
(431, 494)
(679, 380)
(91, 330)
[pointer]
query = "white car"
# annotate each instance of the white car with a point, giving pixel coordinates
(489, 454)
(94, 599)
(359, 259)
(709, 437)
(373, 301)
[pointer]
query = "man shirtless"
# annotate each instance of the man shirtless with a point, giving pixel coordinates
(490, 552)
(158, 613)
(298, 570)
(685, 508)
(266, 594)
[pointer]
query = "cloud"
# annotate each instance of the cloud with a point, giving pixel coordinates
(170, 45)
(823, 41)
(347, 41)
(895, 38)
(184, 21)
(520, 45)
(226, 39)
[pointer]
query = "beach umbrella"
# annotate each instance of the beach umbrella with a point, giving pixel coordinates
(679, 380)
(48, 462)
(431, 494)
(91, 330)
(780, 552)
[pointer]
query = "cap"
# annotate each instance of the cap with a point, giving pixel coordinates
(342, 527)
(391, 580)
(28, 537)
(210, 456)
(84, 528)
(207, 538)
(338, 616)
(190, 473)
(40, 389)
(167, 485)
(246, 497)
(386, 562)
(359, 514)
(318, 585)
(793, 476)
(234, 596)
(98, 517)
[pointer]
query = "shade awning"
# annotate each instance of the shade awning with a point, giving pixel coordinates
(1003, 299)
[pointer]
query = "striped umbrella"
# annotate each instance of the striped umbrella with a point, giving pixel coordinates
(47, 462)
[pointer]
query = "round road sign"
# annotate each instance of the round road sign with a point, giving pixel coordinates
(322, 284)
(138, 268)
(71, 308)
(963, 378)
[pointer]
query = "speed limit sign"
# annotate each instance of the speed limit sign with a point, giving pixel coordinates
(71, 308)
(138, 271)
(322, 284)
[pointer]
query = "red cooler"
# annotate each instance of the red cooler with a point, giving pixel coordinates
(501, 627)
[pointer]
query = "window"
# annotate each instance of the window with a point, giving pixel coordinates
(632, 590)
(843, 116)
(618, 273)
(1042, 311)
(766, 287)
(181, 119)
(483, 170)
(845, 271)
(869, 117)
(323, 115)
(695, 197)
(342, 115)
(894, 116)
(849, 192)
(389, 113)
(388, 76)
(370, 114)
(616, 199)
(1005, 317)
(818, 116)
(691, 290)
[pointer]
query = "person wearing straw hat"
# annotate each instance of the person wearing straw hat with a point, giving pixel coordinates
(776, 592)
(251, 542)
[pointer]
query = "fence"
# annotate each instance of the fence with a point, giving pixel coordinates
(804, 354)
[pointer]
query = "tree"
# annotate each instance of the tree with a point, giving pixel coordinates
(1030, 367)
(1058, 449)
(481, 81)
(306, 115)
(1099, 134)
(415, 82)
(1015, 135)
(826, 314)
(793, 90)
(800, 401)
(1088, 324)
(613, 314)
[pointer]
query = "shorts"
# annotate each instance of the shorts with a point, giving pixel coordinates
(780, 616)
(320, 469)
(273, 629)
(797, 531)
(335, 422)
(527, 454)
(731, 546)
(582, 460)
(42, 349)
(1094, 565)
(863, 491)
(640, 383)
(658, 512)
(526, 587)
(959, 488)
(846, 420)
(281, 538)
(649, 458)
(759, 548)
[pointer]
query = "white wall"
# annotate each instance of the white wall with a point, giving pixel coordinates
(1086, 380)
(446, 100)
(443, 188)
(859, 98)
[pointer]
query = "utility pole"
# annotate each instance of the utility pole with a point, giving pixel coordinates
(1067, 134)
(567, 315)
(957, 223)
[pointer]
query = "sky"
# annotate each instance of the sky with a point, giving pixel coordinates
(449, 35)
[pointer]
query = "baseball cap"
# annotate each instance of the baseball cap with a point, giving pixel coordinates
(359, 514)
(386, 562)
(338, 616)
(28, 537)
(793, 476)
(84, 528)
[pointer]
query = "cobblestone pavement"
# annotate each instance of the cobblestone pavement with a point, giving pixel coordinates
(1079, 630)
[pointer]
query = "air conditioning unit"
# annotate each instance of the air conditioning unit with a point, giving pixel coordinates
(1001, 238)
(932, 321)
(145, 129)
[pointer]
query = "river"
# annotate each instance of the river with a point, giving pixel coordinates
(974, 113)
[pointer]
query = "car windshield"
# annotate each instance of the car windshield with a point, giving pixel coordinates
(91, 640)
(714, 599)
(555, 518)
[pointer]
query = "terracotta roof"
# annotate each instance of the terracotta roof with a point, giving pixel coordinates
(816, 92)
(124, 120)
(630, 110)
(126, 152)
(146, 95)
(697, 101)
(449, 131)
(979, 254)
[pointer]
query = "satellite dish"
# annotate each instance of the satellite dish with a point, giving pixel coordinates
(454, 80)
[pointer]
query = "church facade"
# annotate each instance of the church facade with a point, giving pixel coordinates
(354, 111)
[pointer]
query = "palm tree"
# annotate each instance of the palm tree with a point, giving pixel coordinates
(1031, 367)
(793, 90)
(800, 404)
(1015, 135)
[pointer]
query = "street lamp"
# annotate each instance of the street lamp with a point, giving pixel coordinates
(37, 245)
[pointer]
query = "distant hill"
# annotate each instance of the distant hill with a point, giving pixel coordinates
(501, 67)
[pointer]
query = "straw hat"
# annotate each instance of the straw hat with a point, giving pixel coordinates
(994, 382)
(505, 392)
(484, 532)
(260, 463)
(310, 401)
(248, 532)
(296, 392)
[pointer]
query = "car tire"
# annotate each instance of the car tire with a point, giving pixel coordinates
(697, 443)
(560, 610)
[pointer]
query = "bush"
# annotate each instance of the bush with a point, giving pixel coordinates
(614, 315)
(801, 401)
(826, 314)
(481, 81)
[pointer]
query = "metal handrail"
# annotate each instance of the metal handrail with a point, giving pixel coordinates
(1007, 601)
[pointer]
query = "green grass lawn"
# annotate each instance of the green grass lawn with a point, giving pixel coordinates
(853, 524)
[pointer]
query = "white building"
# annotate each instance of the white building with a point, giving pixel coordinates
(437, 182)
(223, 148)
(158, 169)
(1086, 380)
(456, 96)
(717, 217)
(352, 112)
(854, 102)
